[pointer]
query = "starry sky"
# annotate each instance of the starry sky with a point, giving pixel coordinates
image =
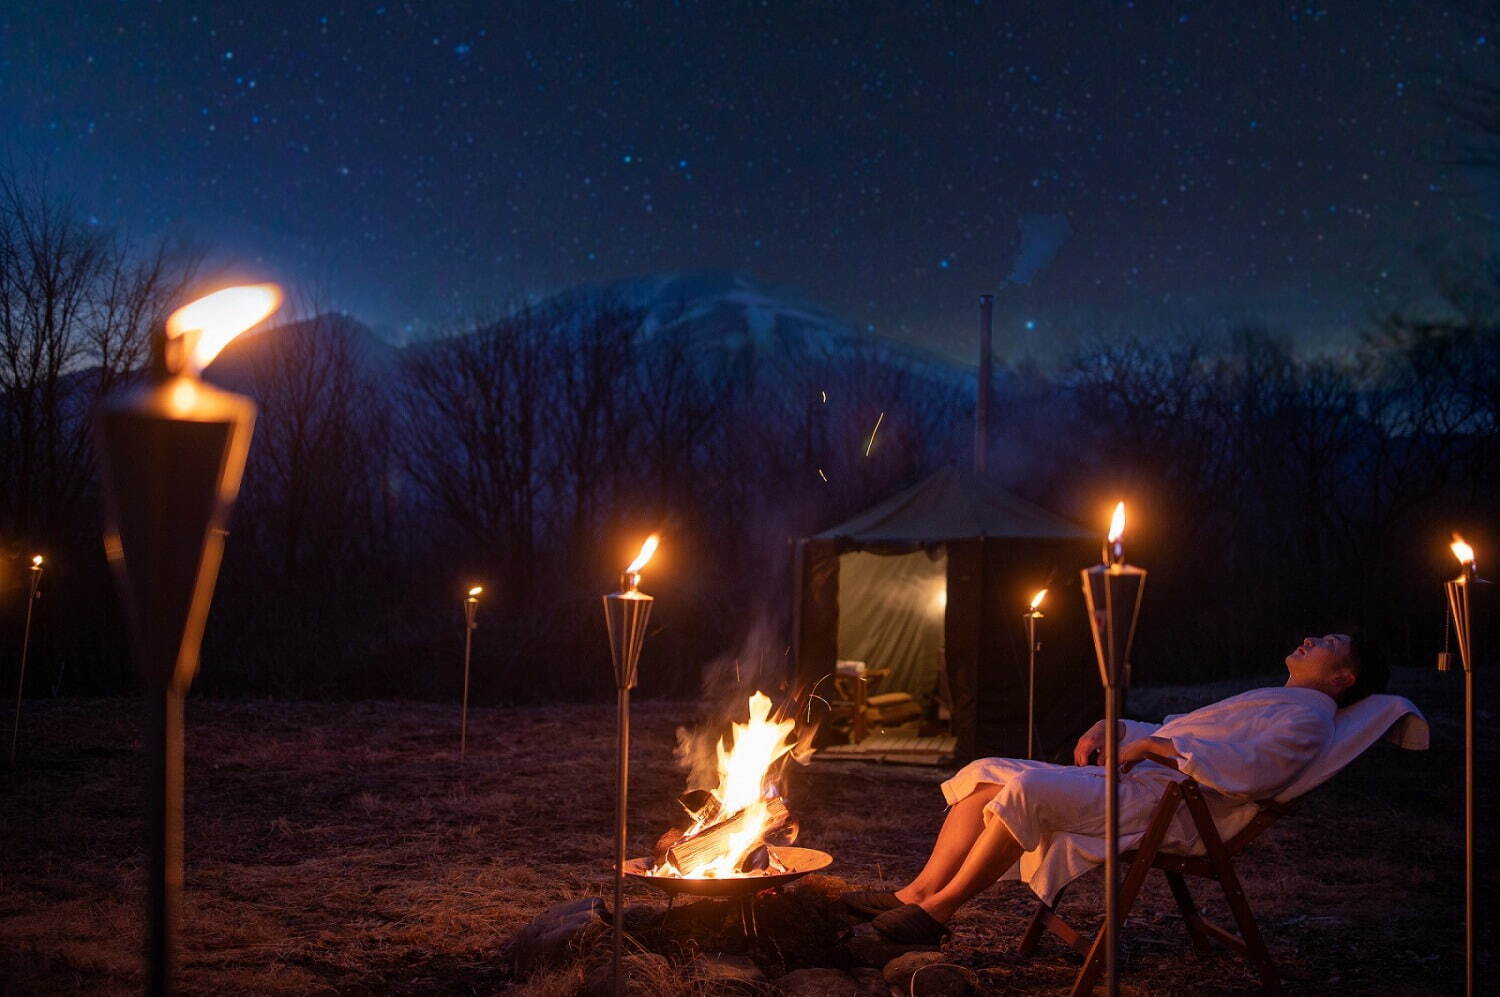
(414, 163)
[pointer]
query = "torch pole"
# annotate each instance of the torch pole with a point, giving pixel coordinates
(463, 720)
(1468, 831)
(164, 746)
(622, 782)
(1458, 606)
(1112, 593)
(36, 578)
(471, 607)
(1111, 804)
(1031, 648)
(625, 615)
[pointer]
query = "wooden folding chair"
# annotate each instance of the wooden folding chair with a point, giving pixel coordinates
(1215, 864)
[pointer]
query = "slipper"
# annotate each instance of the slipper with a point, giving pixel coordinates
(870, 902)
(909, 924)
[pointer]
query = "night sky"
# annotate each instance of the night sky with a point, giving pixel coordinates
(414, 163)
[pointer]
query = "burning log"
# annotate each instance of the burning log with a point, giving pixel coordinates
(703, 848)
(701, 805)
(664, 844)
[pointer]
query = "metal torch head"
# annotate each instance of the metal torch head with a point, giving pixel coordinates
(1112, 594)
(172, 453)
(625, 616)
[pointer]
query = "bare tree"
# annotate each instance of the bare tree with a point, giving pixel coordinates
(474, 411)
(75, 305)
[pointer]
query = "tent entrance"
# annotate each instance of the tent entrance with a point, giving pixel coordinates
(891, 612)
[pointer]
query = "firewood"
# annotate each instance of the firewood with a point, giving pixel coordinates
(690, 852)
(701, 805)
(664, 844)
(759, 860)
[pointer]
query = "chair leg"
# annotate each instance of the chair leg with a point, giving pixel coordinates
(1046, 919)
(1218, 855)
(1034, 930)
(1255, 945)
(1190, 916)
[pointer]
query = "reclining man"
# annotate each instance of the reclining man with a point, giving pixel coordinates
(1241, 749)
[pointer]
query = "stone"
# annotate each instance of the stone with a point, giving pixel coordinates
(899, 970)
(819, 983)
(871, 982)
(868, 947)
(549, 936)
(929, 974)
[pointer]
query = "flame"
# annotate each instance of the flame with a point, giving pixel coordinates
(758, 745)
(1036, 600)
(218, 318)
(1117, 523)
(1462, 551)
(647, 549)
(36, 561)
(475, 591)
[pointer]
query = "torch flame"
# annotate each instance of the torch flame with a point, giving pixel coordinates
(1462, 551)
(218, 318)
(475, 591)
(1036, 600)
(1117, 523)
(647, 549)
(36, 561)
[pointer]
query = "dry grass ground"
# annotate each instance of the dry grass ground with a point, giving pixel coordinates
(343, 848)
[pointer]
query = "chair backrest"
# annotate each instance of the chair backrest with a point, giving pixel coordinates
(1355, 729)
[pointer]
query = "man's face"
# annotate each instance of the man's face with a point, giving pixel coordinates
(1321, 658)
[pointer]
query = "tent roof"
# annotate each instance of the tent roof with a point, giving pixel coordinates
(954, 504)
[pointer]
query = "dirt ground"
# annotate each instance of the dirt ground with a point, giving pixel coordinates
(344, 848)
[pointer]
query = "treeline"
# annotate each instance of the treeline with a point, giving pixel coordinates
(1272, 493)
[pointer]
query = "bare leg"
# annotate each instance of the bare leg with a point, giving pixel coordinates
(990, 858)
(960, 830)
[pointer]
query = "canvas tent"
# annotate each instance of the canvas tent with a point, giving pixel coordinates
(937, 577)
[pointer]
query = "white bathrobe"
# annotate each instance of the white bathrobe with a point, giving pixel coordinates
(1241, 749)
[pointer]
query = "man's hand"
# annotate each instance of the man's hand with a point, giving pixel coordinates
(1091, 741)
(1156, 749)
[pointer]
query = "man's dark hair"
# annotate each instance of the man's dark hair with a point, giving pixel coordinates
(1371, 673)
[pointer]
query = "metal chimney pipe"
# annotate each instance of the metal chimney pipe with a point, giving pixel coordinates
(982, 407)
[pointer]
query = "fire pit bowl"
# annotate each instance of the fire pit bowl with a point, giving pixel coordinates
(798, 861)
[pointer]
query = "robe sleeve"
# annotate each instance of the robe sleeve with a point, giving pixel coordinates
(1137, 729)
(1253, 764)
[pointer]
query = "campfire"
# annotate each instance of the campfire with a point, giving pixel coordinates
(740, 833)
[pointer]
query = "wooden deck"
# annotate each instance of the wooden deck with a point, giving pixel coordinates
(897, 746)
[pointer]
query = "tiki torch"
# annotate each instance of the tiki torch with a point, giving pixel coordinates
(36, 579)
(1112, 591)
(1458, 609)
(625, 616)
(471, 610)
(172, 450)
(1032, 614)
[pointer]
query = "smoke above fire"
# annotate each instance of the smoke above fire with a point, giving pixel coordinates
(761, 663)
